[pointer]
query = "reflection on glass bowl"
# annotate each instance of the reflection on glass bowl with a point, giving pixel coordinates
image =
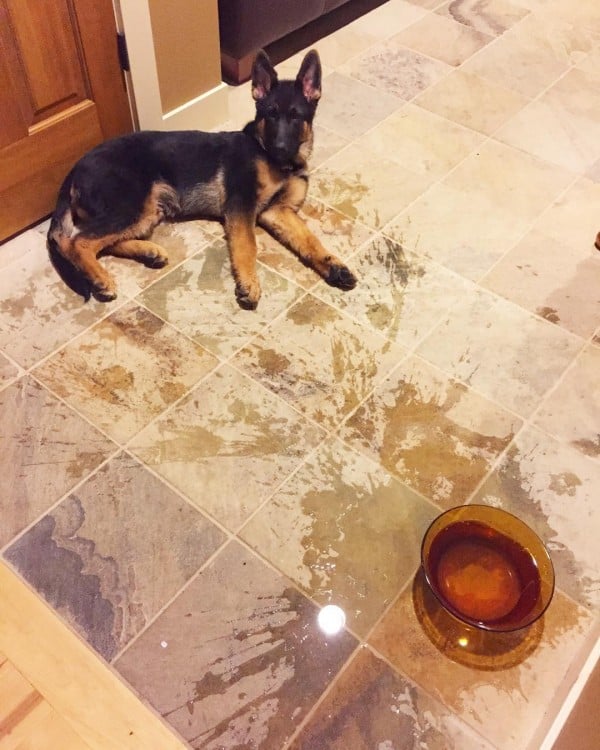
(487, 568)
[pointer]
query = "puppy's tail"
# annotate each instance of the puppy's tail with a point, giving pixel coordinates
(71, 276)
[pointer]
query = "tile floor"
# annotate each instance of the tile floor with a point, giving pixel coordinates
(187, 483)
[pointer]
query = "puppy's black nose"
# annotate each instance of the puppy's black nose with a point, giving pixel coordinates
(280, 154)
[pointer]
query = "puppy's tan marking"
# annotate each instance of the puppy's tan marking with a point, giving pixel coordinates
(239, 230)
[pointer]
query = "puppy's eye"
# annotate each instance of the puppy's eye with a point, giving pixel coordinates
(272, 111)
(295, 114)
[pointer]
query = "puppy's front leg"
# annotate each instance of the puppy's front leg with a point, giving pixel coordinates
(288, 228)
(239, 230)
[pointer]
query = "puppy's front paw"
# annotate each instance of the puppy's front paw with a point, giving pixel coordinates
(105, 292)
(341, 277)
(157, 260)
(248, 294)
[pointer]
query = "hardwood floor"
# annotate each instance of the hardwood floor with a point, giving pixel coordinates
(56, 693)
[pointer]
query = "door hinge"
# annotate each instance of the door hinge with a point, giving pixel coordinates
(122, 49)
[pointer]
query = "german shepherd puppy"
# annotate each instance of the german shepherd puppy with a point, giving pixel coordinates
(116, 195)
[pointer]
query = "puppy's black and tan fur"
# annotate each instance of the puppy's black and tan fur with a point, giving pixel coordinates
(120, 191)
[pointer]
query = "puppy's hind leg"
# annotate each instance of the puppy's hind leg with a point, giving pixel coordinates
(144, 251)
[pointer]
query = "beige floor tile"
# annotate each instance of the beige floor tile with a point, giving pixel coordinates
(421, 141)
(573, 218)
(591, 63)
(395, 69)
(510, 179)
(563, 126)
(126, 370)
(351, 107)
(372, 706)
(198, 299)
(502, 351)
(533, 54)
(366, 187)
(500, 686)
(8, 371)
(319, 360)
(391, 16)
(559, 281)
(227, 445)
(335, 49)
(472, 101)
(431, 432)
(443, 39)
(553, 488)
(345, 531)
(326, 144)
(462, 229)
(488, 16)
(399, 294)
(572, 411)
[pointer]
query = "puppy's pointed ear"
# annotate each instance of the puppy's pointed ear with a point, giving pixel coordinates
(264, 77)
(309, 76)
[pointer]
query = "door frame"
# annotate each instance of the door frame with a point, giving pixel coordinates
(204, 111)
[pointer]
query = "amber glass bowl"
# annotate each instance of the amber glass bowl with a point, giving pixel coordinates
(487, 568)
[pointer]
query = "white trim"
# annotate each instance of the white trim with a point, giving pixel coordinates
(203, 112)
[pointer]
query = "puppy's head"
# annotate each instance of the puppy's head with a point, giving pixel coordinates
(285, 109)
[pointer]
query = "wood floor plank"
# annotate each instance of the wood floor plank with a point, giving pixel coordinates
(82, 689)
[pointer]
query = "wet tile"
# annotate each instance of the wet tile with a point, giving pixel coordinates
(421, 141)
(364, 186)
(46, 450)
(8, 371)
(126, 370)
(431, 432)
(460, 228)
(483, 678)
(395, 69)
(563, 125)
(533, 54)
(198, 299)
(505, 353)
(573, 218)
(237, 659)
(351, 108)
(38, 313)
(572, 411)
(227, 445)
(472, 101)
(371, 706)
(339, 234)
(400, 294)
(554, 489)
(443, 39)
(510, 179)
(345, 531)
(558, 281)
(114, 552)
(319, 360)
(488, 16)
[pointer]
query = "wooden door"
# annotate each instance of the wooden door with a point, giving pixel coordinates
(61, 92)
